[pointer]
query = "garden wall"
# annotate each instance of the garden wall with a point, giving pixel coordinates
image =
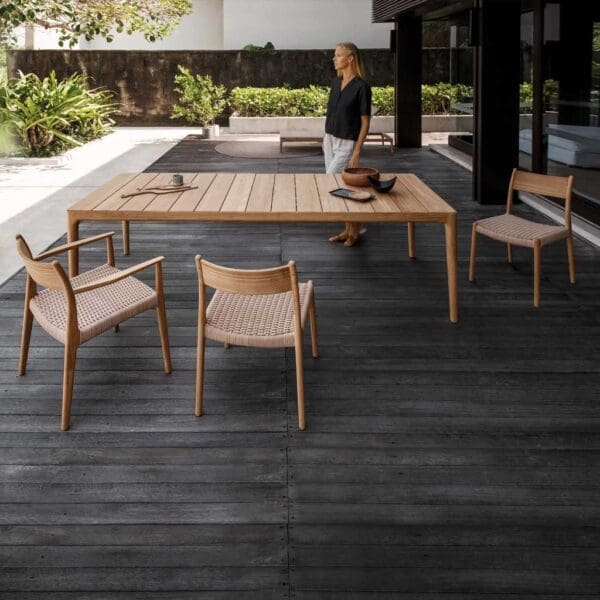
(143, 80)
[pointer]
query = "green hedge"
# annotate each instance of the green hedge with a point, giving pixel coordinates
(312, 101)
(280, 102)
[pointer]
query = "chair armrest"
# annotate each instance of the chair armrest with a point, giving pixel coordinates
(72, 245)
(117, 276)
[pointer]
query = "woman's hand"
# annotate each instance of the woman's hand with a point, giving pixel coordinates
(353, 162)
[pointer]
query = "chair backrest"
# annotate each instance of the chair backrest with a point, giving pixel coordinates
(244, 281)
(49, 275)
(542, 185)
(252, 282)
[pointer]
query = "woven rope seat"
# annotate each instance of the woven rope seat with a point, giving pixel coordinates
(264, 321)
(97, 310)
(515, 230)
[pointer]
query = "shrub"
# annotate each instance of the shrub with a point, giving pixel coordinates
(42, 117)
(312, 101)
(200, 100)
(254, 48)
(383, 99)
(281, 101)
(526, 94)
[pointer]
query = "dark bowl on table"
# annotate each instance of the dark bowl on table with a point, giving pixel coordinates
(359, 176)
(382, 185)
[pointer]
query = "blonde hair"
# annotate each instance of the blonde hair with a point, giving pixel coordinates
(354, 52)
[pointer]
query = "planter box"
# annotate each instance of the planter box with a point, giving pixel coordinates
(316, 125)
(453, 123)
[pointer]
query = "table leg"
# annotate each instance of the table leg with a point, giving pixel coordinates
(412, 251)
(451, 264)
(73, 236)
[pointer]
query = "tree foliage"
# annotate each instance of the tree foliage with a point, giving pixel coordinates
(92, 18)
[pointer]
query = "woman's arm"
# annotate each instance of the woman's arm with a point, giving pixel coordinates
(364, 130)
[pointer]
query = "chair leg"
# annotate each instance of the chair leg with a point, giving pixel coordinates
(161, 317)
(473, 252)
(226, 345)
(509, 253)
(312, 313)
(25, 337)
(26, 329)
(571, 257)
(200, 374)
(68, 377)
(300, 383)
(125, 230)
(537, 272)
(116, 329)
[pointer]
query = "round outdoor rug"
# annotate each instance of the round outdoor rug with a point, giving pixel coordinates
(265, 150)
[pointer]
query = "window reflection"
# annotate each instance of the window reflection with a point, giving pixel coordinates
(571, 92)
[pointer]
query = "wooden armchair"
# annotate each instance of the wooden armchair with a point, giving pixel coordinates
(513, 230)
(75, 310)
(264, 308)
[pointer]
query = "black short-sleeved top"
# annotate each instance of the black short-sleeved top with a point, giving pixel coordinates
(345, 107)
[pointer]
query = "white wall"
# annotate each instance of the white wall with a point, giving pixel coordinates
(307, 24)
(231, 24)
(200, 30)
(43, 39)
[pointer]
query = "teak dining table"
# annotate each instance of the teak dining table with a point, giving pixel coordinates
(272, 197)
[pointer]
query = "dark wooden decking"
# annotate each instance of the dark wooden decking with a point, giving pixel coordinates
(440, 461)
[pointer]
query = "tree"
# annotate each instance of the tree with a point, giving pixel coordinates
(92, 18)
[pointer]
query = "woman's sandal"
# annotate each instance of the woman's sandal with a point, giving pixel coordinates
(340, 237)
(351, 240)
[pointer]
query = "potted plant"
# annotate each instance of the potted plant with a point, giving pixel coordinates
(201, 101)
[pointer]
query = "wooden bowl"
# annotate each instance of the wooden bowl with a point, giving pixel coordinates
(359, 176)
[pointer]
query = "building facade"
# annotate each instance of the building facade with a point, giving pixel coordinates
(536, 81)
(233, 24)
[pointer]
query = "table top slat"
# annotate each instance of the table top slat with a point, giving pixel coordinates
(262, 193)
(99, 195)
(355, 206)
(330, 203)
(404, 199)
(189, 199)
(114, 200)
(142, 201)
(307, 194)
(239, 193)
(383, 202)
(284, 193)
(217, 192)
(162, 202)
(426, 195)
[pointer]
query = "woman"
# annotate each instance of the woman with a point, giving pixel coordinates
(347, 122)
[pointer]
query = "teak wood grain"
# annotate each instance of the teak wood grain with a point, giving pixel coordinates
(262, 197)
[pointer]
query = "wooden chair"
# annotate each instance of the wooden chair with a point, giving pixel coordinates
(75, 310)
(264, 308)
(516, 231)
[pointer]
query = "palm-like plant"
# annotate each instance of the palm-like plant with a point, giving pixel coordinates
(47, 115)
